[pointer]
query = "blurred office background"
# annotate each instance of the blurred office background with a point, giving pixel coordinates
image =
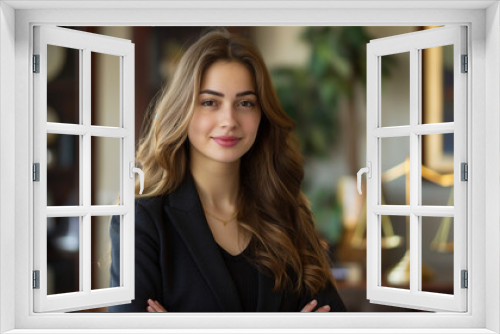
(320, 74)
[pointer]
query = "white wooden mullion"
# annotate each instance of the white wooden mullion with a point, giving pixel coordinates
(434, 211)
(373, 260)
(75, 39)
(42, 141)
(406, 210)
(413, 234)
(419, 300)
(460, 155)
(94, 210)
(79, 300)
(123, 121)
(422, 129)
(377, 221)
(40, 156)
(81, 254)
(85, 247)
(436, 128)
(122, 251)
(81, 239)
(127, 119)
(80, 130)
(416, 40)
(392, 131)
(108, 210)
(103, 131)
(418, 143)
(417, 240)
(127, 116)
(392, 210)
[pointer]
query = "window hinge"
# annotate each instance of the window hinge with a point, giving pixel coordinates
(464, 171)
(465, 279)
(36, 172)
(465, 64)
(36, 63)
(36, 279)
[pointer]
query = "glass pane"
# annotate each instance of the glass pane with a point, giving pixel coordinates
(106, 94)
(437, 82)
(395, 250)
(63, 85)
(63, 170)
(437, 169)
(63, 255)
(105, 170)
(395, 164)
(437, 254)
(115, 238)
(395, 85)
(101, 252)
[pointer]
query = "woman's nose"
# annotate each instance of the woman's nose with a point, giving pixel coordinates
(228, 116)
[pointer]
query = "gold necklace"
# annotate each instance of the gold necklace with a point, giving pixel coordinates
(224, 222)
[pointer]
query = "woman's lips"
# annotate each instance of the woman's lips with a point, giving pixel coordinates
(226, 141)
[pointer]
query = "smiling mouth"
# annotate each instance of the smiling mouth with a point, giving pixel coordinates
(226, 141)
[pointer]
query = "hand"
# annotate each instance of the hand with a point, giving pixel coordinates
(309, 307)
(154, 306)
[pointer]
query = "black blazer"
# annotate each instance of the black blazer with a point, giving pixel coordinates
(178, 263)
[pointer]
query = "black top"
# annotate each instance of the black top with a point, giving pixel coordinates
(244, 276)
(178, 263)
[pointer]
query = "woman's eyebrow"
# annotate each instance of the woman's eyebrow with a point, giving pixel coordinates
(209, 91)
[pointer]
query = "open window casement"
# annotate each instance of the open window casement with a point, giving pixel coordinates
(81, 132)
(408, 133)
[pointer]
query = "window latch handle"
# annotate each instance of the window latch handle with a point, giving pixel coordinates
(138, 171)
(368, 171)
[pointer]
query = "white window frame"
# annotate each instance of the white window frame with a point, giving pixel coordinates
(413, 44)
(483, 21)
(85, 43)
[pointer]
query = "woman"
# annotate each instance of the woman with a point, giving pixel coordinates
(222, 225)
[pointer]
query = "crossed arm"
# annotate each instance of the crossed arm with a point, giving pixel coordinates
(154, 306)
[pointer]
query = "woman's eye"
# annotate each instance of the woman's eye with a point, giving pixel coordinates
(208, 103)
(247, 104)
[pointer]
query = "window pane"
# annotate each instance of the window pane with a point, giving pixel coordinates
(63, 85)
(63, 255)
(106, 106)
(395, 164)
(437, 254)
(63, 170)
(105, 170)
(437, 169)
(101, 252)
(395, 85)
(395, 250)
(437, 79)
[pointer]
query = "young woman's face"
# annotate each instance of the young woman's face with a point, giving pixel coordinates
(226, 116)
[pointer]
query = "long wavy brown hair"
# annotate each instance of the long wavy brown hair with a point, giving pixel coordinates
(271, 206)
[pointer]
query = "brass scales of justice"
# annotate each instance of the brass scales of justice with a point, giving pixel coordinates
(399, 274)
